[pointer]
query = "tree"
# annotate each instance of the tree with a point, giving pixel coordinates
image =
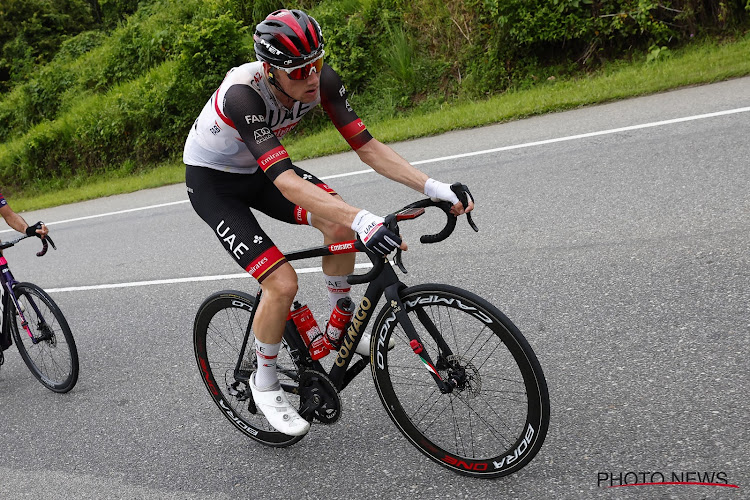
(31, 32)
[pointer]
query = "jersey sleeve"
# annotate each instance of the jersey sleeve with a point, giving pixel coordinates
(333, 98)
(2, 200)
(247, 112)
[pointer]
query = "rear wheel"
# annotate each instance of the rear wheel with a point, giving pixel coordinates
(218, 333)
(45, 342)
(495, 419)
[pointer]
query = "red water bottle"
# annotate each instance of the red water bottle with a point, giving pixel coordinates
(340, 316)
(309, 331)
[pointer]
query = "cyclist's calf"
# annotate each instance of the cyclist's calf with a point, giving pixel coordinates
(279, 290)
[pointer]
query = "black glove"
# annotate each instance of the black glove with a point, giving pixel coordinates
(31, 230)
(376, 237)
(383, 241)
(462, 193)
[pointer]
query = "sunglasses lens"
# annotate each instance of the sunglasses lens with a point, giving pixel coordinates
(297, 74)
(306, 70)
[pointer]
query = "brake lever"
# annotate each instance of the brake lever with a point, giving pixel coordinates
(463, 194)
(398, 261)
(471, 222)
(391, 222)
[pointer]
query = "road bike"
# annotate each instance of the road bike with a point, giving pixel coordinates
(37, 325)
(459, 380)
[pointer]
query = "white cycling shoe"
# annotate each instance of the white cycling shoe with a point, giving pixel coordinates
(363, 347)
(278, 411)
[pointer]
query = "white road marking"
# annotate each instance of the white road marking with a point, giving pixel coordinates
(183, 280)
(454, 157)
(358, 172)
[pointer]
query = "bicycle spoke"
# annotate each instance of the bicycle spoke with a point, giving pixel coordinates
(49, 351)
(220, 329)
(476, 352)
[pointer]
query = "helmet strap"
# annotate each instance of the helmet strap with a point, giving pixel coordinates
(276, 83)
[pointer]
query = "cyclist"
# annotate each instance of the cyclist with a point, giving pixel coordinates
(234, 161)
(16, 221)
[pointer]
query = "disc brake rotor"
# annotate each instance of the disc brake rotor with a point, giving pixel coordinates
(465, 373)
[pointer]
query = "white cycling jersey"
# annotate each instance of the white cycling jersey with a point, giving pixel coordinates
(240, 126)
(214, 142)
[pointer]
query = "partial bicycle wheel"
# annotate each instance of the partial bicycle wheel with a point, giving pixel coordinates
(218, 333)
(495, 420)
(51, 354)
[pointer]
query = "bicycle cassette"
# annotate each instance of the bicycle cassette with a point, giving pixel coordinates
(319, 397)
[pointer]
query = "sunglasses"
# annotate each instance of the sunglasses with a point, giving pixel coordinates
(303, 72)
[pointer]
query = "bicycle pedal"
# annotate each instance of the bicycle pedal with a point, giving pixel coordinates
(243, 376)
(234, 389)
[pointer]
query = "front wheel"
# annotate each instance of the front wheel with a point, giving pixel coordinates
(218, 334)
(45, 343)
(495, 419)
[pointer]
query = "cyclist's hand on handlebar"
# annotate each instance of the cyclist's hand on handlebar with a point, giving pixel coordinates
(456, 194)
(465, 199)
(376, 237)
(39, 230)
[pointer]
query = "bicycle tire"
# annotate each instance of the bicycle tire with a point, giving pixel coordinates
(218, 333)
(495, 422)
(54, 359)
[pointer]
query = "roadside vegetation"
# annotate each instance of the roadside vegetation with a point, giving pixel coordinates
(96, 97)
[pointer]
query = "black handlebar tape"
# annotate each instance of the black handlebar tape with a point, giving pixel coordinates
(377, 267)
(45, 246)
(443, 234)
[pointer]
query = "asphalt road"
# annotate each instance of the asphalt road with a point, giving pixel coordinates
(617, 237)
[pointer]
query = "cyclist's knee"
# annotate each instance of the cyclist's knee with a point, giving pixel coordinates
(337, 232)
(281, 285)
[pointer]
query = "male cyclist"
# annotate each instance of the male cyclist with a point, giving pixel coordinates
(16, 221)
(234, 161)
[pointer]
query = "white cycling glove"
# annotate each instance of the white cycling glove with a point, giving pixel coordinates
(440, 191)
(376, 237)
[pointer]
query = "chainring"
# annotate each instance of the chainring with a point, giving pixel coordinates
(318, 396)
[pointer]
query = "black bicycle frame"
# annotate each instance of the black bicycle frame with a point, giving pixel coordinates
(385, 283)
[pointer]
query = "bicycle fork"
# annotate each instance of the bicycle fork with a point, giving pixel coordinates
(415, 342)
(19, 308)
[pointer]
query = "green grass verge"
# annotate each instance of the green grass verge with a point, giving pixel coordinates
(701, 63)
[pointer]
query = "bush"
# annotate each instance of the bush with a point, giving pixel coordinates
(142, 121)
(97, 89)
(31, 32)
(523, 35)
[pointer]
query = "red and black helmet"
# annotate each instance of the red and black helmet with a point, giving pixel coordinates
(288, 39)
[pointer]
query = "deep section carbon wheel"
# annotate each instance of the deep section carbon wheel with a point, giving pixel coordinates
(495, 419)
(218, 334)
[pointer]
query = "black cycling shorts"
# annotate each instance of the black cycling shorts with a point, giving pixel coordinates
(222, 200)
